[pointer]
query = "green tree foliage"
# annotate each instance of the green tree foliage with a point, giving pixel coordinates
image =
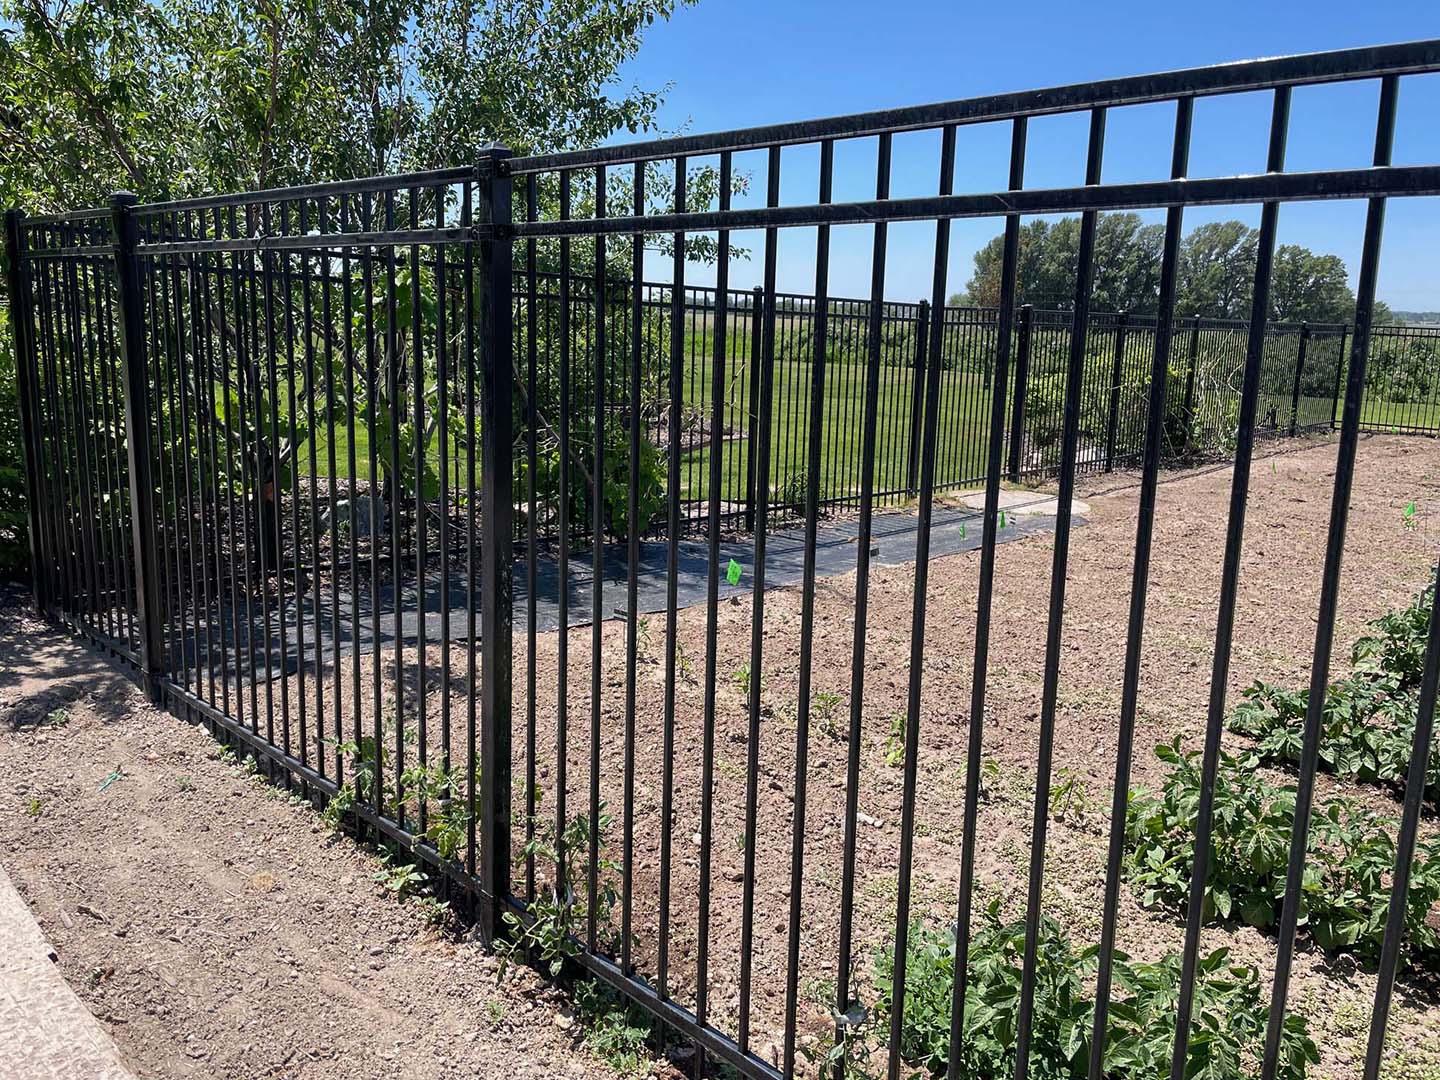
(184, 97)
(177, 98)
(1216, 272)
(1127, 264)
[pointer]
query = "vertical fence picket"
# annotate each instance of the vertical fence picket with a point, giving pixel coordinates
(137, 440)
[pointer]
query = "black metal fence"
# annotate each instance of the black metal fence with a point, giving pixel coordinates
(280, 444)
(1301, 374)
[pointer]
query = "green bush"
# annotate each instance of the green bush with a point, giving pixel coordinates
(1402, 368)
(1228, 1032)
(1351, 854)
(1368, 722)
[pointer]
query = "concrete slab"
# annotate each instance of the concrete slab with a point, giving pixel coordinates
(46, 1032)
(1020, 503)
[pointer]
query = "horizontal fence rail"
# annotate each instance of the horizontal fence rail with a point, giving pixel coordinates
(369, 477)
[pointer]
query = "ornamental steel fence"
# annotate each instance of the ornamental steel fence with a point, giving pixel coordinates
(364, 474)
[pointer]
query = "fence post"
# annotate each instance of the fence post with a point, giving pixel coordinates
(29, 411)
(497, 381)
(1022, 379)
(1190, 376)
(1339, 374)
(922, 337)
(1299, 368)
(137, 440)
(1121, 323)
(917, 398)
(752, 431)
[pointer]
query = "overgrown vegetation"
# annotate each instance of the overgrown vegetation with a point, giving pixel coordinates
(616, 1030)
(1228, 1033)
(1369, 717)
(561, 908)
(1350, 858)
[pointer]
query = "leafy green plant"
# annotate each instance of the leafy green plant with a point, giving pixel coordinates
(895, 742)
(449, 812)
(824, 706)
(548, 930)
(1395, 644)
(1368, 719)
(741, 678)
(1350, 857)
(617, 1031)
(400, 879)
(1069, 797)
(367, 758)
(1228, 1033)
(35, 807)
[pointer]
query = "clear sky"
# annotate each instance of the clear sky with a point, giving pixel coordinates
(737, 63)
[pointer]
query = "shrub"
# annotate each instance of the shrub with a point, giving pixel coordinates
(1351, 854)
(1368, 722)
(1228, 1031)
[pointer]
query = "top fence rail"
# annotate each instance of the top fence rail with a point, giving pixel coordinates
(1265, 74)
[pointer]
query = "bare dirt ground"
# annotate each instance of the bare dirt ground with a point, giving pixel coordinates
(1386, 562)
(210, 923)
(332, 926)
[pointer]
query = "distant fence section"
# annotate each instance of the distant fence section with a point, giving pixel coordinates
(1301, 384)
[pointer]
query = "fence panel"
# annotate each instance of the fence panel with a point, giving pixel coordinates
(68, 343)
(332, 418)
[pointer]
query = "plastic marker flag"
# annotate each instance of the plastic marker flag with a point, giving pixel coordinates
(732, 573)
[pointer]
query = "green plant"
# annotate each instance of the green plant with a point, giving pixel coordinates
(825, 704)
(35, 806)
(367, 758)
(1396, 642)
(435, 910)
(1351, 853)
(547, 931)
(1228, 1033)
(449, 812)
(184, 783)
(895, 742)
(616, 1031)
(1368, 718)
(741, 678)
(1069, 797)
(683, 664)
(57, 717)
(400, 879)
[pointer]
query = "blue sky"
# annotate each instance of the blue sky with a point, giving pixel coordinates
(736, 63)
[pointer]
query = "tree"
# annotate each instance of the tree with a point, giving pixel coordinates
(1216, 273)
(1306, 287)
(1127, 264)
(177, 98)
(183, 97)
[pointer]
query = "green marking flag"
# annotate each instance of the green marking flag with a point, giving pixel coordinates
(732, 573)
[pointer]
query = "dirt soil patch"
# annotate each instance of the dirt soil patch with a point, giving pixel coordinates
(1387, 560)
(210, 923)
(135, 851)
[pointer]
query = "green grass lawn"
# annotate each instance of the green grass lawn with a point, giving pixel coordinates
(963, 422)
(962, 428)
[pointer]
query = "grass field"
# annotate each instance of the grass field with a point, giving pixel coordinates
(962, 425)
